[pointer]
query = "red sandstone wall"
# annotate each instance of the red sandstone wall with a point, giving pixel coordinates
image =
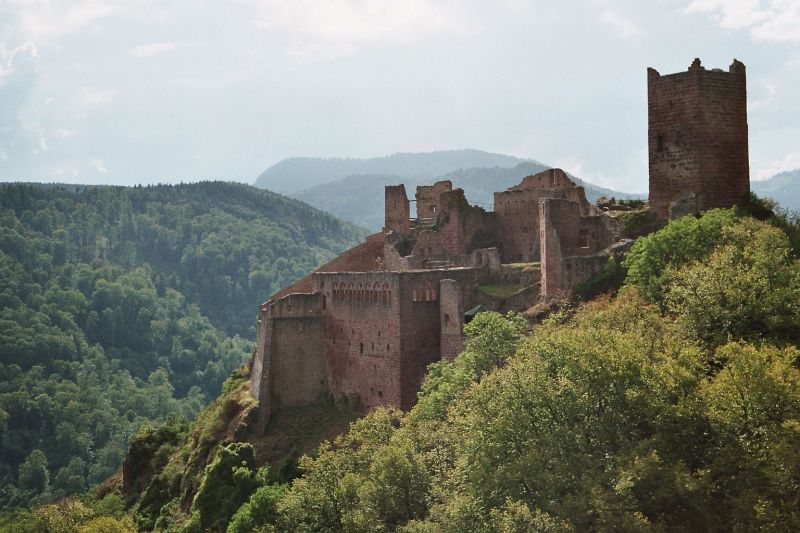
(429, 204)
(517, 212)
(362, 335)
(697, 137)
(462, 227)
(550, 246)
(451, 319)
(397, 211)
(420, 323)
(299, 367)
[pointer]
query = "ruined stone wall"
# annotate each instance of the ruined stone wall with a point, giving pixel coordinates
(428, 198)
(421, 322)
(578, 269)
(451, 319)
(517, 210)
(565, 217)
(289, 367)
(524, 276)
(397, 213)
(428, 247)
(464, 228)
(697, 137)
(362, 335)
(299, 367)
(552, 284)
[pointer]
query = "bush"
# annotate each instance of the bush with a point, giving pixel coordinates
(680, 242)
(260, 512)
(228, 482)
(749, 288)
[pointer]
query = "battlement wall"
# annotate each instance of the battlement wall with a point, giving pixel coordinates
(362, 335)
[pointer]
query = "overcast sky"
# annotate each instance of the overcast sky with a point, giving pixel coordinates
(145, 91)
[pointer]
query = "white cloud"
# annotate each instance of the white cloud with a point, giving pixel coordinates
(3, 155)
(98, 96)
(154, 49)
(339, 27)
(47, 20)
(22, 61)
(18, 133)
(99, 165)
(41, 139)
(620, 25)
(790, 161)
(61, 133)
(767, 20)
(767, 92)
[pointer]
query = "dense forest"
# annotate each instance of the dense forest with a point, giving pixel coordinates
(670, 404)
(120, 307)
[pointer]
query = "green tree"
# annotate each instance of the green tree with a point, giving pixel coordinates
(682, 241)
(748, 288)
(33, 474)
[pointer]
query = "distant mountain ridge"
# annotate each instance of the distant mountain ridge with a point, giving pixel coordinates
(299, 173)
(783, 188)
(353, 189)
(359, 199)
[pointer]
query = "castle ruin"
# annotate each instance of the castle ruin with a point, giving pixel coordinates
(366, 325)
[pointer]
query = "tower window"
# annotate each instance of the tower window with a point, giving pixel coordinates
(660, 143)
(583, 238)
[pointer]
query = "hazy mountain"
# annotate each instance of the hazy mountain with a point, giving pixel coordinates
(359, 198)
(783, 187)
(299, 173)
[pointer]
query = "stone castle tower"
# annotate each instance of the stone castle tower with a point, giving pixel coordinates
(697, 137)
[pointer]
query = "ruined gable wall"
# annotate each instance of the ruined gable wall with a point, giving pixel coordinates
(428, 246)
(462, 227)
(517, 210)
(428, 197)
(397, 213)
(362, 335)
(697, 137)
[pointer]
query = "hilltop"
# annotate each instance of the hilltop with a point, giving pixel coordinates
(637, 410)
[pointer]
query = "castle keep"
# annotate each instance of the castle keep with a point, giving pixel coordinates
(367, 324)
(697, 139)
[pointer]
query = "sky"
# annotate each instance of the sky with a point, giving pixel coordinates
(148, 91)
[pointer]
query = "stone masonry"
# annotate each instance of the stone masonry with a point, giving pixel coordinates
(366, 325)
(697, 138)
